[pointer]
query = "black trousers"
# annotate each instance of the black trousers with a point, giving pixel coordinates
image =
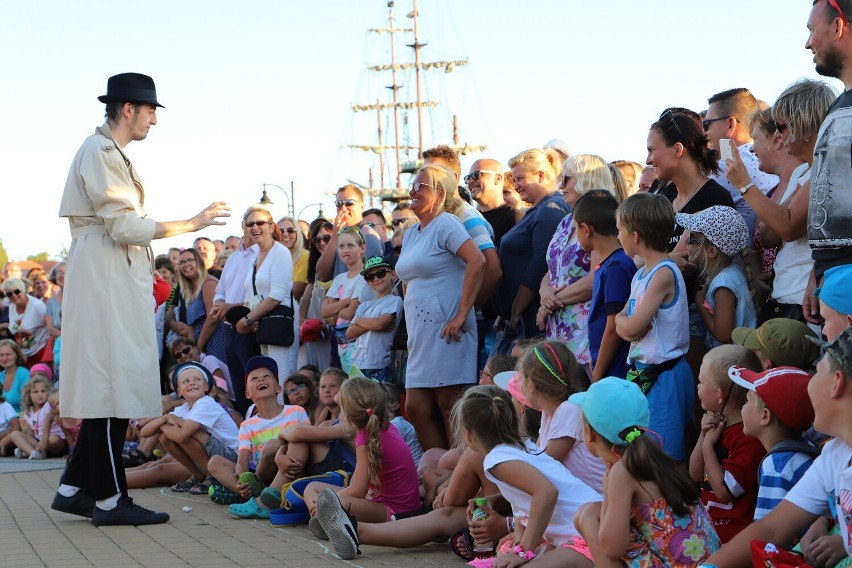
(238, 350)
(96, 464)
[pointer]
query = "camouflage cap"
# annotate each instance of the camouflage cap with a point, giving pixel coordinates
(840, 349)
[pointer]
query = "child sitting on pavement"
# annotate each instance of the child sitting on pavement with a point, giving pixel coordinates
(37, 438)
(196, 430)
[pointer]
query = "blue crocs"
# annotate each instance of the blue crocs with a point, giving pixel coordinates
(249, 510)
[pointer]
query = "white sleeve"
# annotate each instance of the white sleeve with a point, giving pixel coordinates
(812, 490)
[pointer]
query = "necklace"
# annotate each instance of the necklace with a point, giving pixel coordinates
(691, 194)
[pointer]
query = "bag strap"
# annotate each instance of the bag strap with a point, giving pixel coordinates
(254, 286)
(794, 446)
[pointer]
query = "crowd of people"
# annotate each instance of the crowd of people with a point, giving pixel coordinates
(641, 365)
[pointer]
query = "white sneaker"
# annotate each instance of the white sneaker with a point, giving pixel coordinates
(38, 455)
(19, 453)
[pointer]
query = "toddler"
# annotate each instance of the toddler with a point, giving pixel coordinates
(37, 438)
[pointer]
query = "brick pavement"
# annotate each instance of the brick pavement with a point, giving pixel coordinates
(31, 534)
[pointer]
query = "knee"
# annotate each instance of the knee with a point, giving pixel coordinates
(270, 449)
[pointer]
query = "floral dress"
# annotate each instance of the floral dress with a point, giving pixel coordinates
(661, 538)
(567, 262)
(196, 315)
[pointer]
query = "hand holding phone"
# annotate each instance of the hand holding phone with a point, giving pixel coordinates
(726, 149)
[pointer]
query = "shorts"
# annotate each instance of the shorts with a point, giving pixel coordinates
(394, 516)
(381, 375)
(214, 447)
(332, 461)
(670, 403)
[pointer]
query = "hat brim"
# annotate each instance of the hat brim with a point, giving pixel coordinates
(376, 267)
(109, 99)
(747, 337)
(738, 379)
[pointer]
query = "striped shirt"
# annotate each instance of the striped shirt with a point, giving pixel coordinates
(477, 227)
(256, 431)
(779, 472)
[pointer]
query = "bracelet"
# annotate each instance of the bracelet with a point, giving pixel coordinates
(527, 554)
(746, 187)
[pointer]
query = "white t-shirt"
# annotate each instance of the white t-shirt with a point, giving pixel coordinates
(212, 418)
(793, 262)
(7, 413)
(826, 488)
(344, 287)
(373, 349)
(567, 421)
(572, 493)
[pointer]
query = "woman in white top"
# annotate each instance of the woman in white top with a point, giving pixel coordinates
(797, 115)
(26, 320)
(268, 284)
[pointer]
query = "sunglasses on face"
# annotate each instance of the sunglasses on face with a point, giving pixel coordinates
(322, 239)
(288, 230)
(563, 181)
(780, 127)
(416, 186)
(186, 261)
(182, 352)
(708, 121)
(397, 249)
(341, 203)
(261, 223)
(478, 174)
(398, 222)
(12, 293)
(294, 390)
(380, 273)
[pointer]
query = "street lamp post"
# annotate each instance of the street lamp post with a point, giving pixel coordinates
(310, 205)
(291, 205)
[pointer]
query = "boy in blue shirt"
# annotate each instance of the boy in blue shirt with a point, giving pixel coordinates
(594, 220)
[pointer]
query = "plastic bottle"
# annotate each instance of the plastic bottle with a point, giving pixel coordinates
(486, 549)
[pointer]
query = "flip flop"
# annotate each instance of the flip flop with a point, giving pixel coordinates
(463, 539)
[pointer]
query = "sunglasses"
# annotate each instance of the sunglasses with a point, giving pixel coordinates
(294, 390)
(380, 273)
(836, 6)
(340, 203)
(352, 231)
(322, 239)
(780, 127)
(288, 230)
(186, 261)
(182, 352)
(670, 115)
(416, 186)
(251, 224)
(398, 222)
(708, 121)
(694, 241)
(12, 293)
(563, 181)
(397, 249)
(478, 174)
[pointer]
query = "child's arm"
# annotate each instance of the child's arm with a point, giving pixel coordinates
(609, 348)
(242, 462)
(153, 426)
(660, 289)
(614, 533)
(45, 427)
(348, 312)
(331, 306)
(308, 433)
(543, 495)
(384, 322)
(354, 331)
(696, 460)
(715, 472)
(14, 426)
(722, 320)
(558, 448)
(180, 430)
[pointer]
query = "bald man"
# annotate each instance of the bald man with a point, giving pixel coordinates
(485, 182)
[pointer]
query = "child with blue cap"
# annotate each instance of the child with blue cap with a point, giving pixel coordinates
(835, 302)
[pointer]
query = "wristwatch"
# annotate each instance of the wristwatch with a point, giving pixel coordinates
(249, 321)
(746, 187)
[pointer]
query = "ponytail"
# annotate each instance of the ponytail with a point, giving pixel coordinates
(374, 448)
(646, 461)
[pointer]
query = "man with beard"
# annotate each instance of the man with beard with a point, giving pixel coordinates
(830, 207)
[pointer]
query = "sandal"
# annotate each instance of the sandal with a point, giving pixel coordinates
(136, 458)
(201, 487)
(184, 486)
(249, 510)
(463, 545)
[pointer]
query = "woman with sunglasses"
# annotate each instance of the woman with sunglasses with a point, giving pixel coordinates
(26, 320)
(524, 247)
(268, 284)
(795, 121)
(194, 300)
(295, 243)
(443, 269)
(315, 348)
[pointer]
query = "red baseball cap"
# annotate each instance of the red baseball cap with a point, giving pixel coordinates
(784, 390)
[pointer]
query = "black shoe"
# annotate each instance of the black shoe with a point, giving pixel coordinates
(127, 513)
(78, 504)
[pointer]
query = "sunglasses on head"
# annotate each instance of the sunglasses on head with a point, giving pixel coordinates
(352, 231)
(12, 293)
(836, 6)
(380, 273)
(178, 353)
(260, 223)
(340, 203)
(322, 239)
(670, 115)
(478, 174)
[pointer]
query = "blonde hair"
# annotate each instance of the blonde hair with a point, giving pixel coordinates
(803, 106)
(719, 359)
(364, 403)
(443, 181)
(487, 412)
(548, 162)
(591, 172)
(190, 289)
(299, 245)
(36, 378)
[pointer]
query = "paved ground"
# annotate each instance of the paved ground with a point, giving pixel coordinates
(31, 534)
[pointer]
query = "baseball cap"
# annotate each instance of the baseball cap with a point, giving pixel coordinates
(511, 381)
(722, 226)
(783, 341)
(833, 292)
(262, 362)
(840, 349)
(375, 262)
(784, 390)
(612, 406)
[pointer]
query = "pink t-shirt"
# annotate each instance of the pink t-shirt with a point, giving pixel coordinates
(399, 488)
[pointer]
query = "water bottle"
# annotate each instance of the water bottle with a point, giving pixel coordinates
(486, 549)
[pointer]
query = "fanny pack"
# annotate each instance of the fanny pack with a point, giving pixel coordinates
(647, 376)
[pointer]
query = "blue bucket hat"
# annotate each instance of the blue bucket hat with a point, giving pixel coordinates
(613, 406)
(833, 292)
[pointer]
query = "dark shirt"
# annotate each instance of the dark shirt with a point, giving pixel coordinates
(502, 219)
(710, 194)
(610, 292)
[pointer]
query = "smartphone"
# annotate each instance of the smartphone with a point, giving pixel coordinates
(726, 149)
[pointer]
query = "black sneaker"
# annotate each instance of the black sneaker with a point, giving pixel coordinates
(342, 530)
(127, 513)
(79, 504)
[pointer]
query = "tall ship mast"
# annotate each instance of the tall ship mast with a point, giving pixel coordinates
(402, 131)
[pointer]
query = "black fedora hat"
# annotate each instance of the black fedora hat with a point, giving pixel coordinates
(131, 87)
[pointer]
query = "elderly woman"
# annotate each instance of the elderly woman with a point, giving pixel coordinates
(194, 297)
(797, 116)
(26, 320)
(295, 243)
(13, 372)
(268, 284)
(442, 268)
(523, 250)
(566, 288)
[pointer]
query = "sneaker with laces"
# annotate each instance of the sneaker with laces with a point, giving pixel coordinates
(342, 529)
(80, 504)
(127, 513)
(38, 455)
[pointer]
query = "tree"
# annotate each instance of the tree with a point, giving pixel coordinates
(4, 258)
(40, 257)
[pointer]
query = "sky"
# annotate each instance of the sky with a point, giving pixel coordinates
(260, 92)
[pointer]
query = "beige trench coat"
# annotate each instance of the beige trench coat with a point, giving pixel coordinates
(109, 350)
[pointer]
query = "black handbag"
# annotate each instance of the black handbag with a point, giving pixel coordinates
(275, 327)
